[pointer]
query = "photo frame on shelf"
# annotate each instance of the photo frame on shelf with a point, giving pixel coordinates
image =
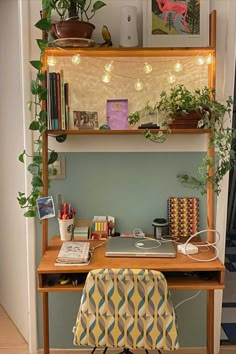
(168, 23)
(85, 119)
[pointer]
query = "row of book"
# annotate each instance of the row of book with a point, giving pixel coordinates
(57, 101)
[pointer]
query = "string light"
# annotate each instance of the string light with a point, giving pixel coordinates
(147, 68)
(209, 59)
(138, 85)
(171, 79)
(51, 60)
(109, 66)
(178, 67)
(106, 77)
(200, 60)
(76, 59)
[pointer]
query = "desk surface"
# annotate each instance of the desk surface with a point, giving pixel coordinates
(181, 272)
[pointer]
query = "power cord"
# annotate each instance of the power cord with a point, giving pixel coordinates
(189, 298)
(207, 244)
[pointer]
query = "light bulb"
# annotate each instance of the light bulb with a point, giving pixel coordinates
(51, 60)
(147, 68)
(109, 66)
(106, 77)
(209, 59)
(76, 59)
(178, 67)
(171, 79)
(200, 60)
(138, 85)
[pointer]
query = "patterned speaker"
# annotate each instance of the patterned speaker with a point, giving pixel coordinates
(183, 214)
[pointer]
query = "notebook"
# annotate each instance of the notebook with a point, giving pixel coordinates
(139, 247)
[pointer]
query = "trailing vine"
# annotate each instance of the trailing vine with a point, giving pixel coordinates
(39, 122)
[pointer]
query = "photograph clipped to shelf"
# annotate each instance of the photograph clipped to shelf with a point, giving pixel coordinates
(45, 206)
(85, 119)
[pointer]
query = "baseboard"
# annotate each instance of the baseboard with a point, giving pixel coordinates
(223, 350)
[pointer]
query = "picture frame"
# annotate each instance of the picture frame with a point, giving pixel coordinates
(165, 23)
(117, 114)
(45, 206)
(85, 119)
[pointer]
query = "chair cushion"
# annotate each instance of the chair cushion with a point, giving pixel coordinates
(126, 308)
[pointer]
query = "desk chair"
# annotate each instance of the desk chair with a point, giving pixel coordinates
(128, 309)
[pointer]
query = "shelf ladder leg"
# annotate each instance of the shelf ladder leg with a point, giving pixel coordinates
(210, 322)
(45, 324)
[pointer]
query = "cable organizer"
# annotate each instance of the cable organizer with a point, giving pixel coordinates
(183, 215)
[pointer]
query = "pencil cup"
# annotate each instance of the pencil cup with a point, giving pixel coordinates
(66, 228)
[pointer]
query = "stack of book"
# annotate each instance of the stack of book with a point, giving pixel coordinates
(81, 232)
(73, 253)
(57, 101)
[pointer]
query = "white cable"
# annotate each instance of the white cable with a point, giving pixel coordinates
(140, 243)
(207, 244)
(189, 298)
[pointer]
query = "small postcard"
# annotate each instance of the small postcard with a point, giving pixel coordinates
(45, 207)
(85, 119)
(117, 114)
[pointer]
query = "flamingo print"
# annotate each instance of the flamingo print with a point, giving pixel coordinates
(178, 7)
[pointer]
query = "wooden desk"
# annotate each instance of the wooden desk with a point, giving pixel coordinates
(182, 273)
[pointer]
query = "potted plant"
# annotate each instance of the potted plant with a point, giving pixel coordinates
(181, 108)
(75, 16)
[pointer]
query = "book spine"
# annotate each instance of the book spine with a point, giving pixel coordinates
(53, 92)
(67, 110)
(48, 105)
(58, 76)
(63, 116)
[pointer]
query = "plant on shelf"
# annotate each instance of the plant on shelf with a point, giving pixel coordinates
(181, 108)
(38, 124)
(75, 16)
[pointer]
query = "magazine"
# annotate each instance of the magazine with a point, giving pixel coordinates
(73, 252)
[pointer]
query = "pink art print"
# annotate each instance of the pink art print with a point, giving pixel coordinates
(172, 17)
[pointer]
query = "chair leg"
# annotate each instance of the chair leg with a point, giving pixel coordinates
(105, 349)
(93, 350)
(126, 351)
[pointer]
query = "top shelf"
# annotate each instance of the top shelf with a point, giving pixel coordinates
(129, 52)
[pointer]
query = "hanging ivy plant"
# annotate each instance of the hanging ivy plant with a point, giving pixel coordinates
(39, 122)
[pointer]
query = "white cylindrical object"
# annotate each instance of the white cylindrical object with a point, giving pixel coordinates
(66, 229)
(128, 28)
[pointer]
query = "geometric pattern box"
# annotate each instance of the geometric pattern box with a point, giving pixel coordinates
(183, 215)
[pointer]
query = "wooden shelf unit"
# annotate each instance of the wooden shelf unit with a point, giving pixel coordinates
(49, 251)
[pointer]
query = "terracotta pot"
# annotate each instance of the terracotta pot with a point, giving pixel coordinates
(187, 121)
(73, 29)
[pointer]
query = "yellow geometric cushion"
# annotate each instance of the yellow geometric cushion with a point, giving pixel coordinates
(128, 308)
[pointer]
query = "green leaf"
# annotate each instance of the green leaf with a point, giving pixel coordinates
(43, 24)
(38, 159)
(34, 87)
(61, 138)
(42, 129)
(42, 93)
(41, 77)
(42, 43)
(29, 104)
(98, 5)
(21, 157)
(53, 157)
(42, 115)
(30, 213)
(33, 168)
(22, 201)
(37, 64)
(34, 125)
(37, 181)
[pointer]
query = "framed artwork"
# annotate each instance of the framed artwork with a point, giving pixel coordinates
(85, 119)
(173, 23)
(117, 114)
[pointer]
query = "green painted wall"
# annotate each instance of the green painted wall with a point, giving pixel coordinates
(133, 187)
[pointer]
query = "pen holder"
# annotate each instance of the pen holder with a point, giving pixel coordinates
(66, 228)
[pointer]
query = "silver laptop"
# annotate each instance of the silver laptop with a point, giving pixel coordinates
(139, 247)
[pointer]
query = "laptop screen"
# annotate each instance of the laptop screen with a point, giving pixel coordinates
(139, 247)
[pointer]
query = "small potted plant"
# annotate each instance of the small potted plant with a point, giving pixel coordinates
(75, 16)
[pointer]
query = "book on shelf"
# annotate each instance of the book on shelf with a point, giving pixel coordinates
(73, 252)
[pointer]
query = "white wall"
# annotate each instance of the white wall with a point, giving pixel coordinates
(17, 294)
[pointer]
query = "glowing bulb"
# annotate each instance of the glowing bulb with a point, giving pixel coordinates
(147, 68)
(76, 59)
(106, 77)
(209, 59)
(200, 60)
(171, 79)
(109, 66)
(51, 60)
(178, 67)
(138, 85)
